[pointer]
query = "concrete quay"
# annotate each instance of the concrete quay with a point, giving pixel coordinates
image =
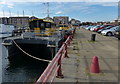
(76, 68)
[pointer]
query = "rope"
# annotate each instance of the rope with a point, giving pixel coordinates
(29, 54)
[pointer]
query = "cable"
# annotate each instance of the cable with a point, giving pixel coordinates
(29, 54)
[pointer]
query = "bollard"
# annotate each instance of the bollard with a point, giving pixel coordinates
(93, 37)
(94, 68)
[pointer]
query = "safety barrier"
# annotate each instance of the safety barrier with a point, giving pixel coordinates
(54, 67)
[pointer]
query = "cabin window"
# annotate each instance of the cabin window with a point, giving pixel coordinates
(42, 26)
(47, 25)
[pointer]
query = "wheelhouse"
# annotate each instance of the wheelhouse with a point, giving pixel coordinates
(42, 27)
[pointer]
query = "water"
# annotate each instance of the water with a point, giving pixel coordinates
(11, 73)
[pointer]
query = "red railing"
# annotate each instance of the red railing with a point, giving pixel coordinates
(54, 68)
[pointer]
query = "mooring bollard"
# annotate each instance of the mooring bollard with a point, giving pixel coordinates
(94, 68)
(93, 37)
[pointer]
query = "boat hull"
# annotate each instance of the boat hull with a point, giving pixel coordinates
(40, 51)
(36, 48)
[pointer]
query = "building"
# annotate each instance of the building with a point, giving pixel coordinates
(48, 19)
(116, 21)
(4, 20)
(33, 17)
(19, 21)
(75, 22)
(61, 20)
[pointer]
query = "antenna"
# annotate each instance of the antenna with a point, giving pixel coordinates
(23, 13)
(32, 13)
(48, 13)
(18, 13)
(3, 13)
(48, 9)
(9, 12)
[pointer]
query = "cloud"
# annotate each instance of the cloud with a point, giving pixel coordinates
(4, 14)
(102, 3)
(7, 14)
(59, 12)
(8, 4)
(62, 0)
(85, 9)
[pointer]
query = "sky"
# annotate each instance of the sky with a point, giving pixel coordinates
(83, 11)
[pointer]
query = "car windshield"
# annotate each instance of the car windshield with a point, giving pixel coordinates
(119, 28)
(116, 28)
(96, 26)
(101, 25)
(108, 27)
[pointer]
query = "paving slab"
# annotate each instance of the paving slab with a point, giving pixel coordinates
(76, 68)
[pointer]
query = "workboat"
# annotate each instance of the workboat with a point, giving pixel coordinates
(40, 42)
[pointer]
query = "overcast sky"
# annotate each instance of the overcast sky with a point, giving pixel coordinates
(83, 11)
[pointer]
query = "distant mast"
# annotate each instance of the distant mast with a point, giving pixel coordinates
(9, 12)
(3, 13)
(48, 12)
(18, 13)
(23, 13)
(32, 13)
(48, 9)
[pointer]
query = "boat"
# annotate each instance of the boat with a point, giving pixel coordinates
(41, 42)
(6, 30)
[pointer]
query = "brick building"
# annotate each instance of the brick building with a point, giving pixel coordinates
(19, 21)
(61, 20)
(4, 20)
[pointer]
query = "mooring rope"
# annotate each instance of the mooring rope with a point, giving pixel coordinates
(29, 54)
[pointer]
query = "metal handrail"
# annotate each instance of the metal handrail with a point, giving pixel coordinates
(55, 62)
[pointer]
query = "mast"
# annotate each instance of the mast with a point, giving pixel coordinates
(32, 13)
(48, 12)
(48, 9)
(18, 13)
(3, 13)
(23, 13)
(9, 12)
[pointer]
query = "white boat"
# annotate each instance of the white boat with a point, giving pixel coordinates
(6, 30)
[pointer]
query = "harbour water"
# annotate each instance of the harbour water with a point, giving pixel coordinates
(25, 73)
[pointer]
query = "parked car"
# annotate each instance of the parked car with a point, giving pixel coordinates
(101, 27)
(92, 29)
(117, 34)
(88, 28)
(110, 32)
(84, 26)
(100, 30)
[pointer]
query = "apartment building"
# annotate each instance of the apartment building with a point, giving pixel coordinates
(19, 21)
(61, 20)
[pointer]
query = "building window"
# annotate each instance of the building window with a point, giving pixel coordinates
(15, 21)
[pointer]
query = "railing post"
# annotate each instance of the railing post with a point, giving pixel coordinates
(59, 73)
(71, 37)
(66, 54)
(69, 40)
